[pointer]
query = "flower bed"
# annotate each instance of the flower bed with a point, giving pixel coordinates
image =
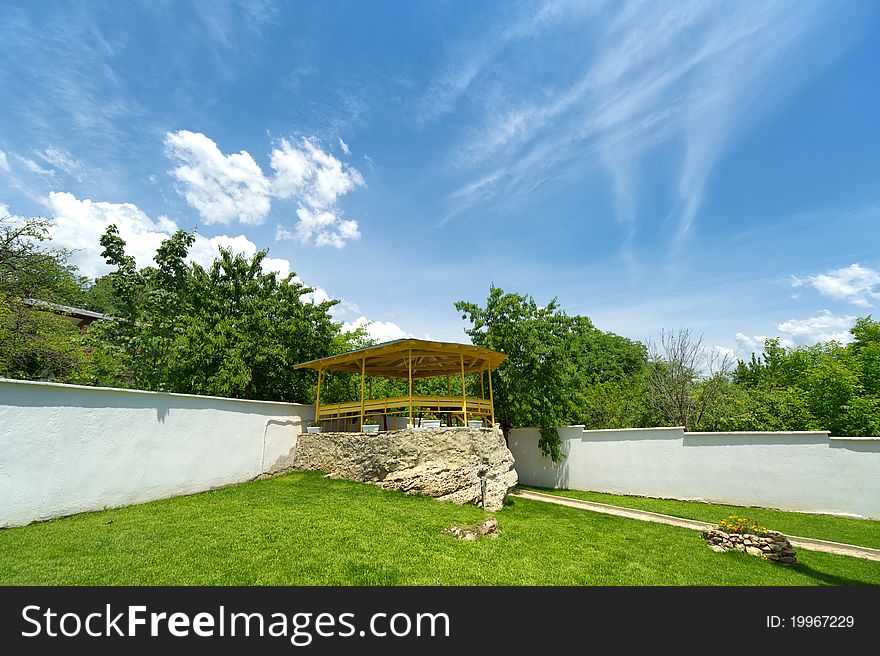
(746, 535)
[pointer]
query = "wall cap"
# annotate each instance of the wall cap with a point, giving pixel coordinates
(626, 430)
(125, 390)
(754, 433)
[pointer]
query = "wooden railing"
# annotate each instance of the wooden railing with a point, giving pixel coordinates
(455, 406)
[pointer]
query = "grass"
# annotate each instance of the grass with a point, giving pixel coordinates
(303, 529)
(862, 532)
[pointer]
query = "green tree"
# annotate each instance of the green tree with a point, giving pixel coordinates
(557, 364)
(826, 386)
(36, 344)
(229, 330)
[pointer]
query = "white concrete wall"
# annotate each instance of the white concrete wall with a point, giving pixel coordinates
(67, 448)
(805, 471)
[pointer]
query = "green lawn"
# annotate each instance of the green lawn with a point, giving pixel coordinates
(863, 532)
(303, 529)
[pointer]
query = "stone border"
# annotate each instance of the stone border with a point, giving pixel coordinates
(769, 546)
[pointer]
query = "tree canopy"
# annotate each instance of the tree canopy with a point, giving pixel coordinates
(826, 386)
(231, 329)
(36, 344)
(554, 361)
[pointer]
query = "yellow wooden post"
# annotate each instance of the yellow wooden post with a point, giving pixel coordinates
(363, 368)
(482, 386)
(448, 386)
(410, 389)
(463, 395)
(491, 399)
(318, 398)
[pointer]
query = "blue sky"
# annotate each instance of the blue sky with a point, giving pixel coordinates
(654, 165)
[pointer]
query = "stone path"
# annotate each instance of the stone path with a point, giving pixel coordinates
(810, 544)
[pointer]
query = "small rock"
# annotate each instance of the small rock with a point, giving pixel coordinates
(487, 528)
(717, 548)
(753, 551)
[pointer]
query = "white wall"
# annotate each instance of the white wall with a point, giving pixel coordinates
(805, 471)
(67, 448)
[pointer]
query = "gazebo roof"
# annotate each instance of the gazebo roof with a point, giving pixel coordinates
(429, 359)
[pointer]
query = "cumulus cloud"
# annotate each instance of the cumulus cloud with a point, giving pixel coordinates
(79, 224)
(722, 353)
(381, 331)
(223, 188)
(323, 228)
(205, 249)
(748, 344)
(854, 284)
(316, 180)
(821, 328)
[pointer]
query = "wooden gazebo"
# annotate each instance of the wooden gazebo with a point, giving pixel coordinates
(410, 359)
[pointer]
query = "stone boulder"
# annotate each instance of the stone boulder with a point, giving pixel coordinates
(463, 465)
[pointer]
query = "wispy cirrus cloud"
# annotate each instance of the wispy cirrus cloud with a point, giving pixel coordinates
(692, 74)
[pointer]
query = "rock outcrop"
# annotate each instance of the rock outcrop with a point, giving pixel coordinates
(463, 465)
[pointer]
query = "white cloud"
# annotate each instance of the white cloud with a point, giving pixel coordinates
(206, 249)
(316, 180)
(691, 74)
(4, 162)
(749, 344)
(224, 188)
(316, 296)
(344, 146)
(722, 352)
(33, 167)
(79, 224)
(821, 328)
(344, 308)
(381, 331)
(63, 160)
(221, 187)
(854, 284)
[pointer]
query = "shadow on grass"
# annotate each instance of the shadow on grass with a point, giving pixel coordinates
(823, 577)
